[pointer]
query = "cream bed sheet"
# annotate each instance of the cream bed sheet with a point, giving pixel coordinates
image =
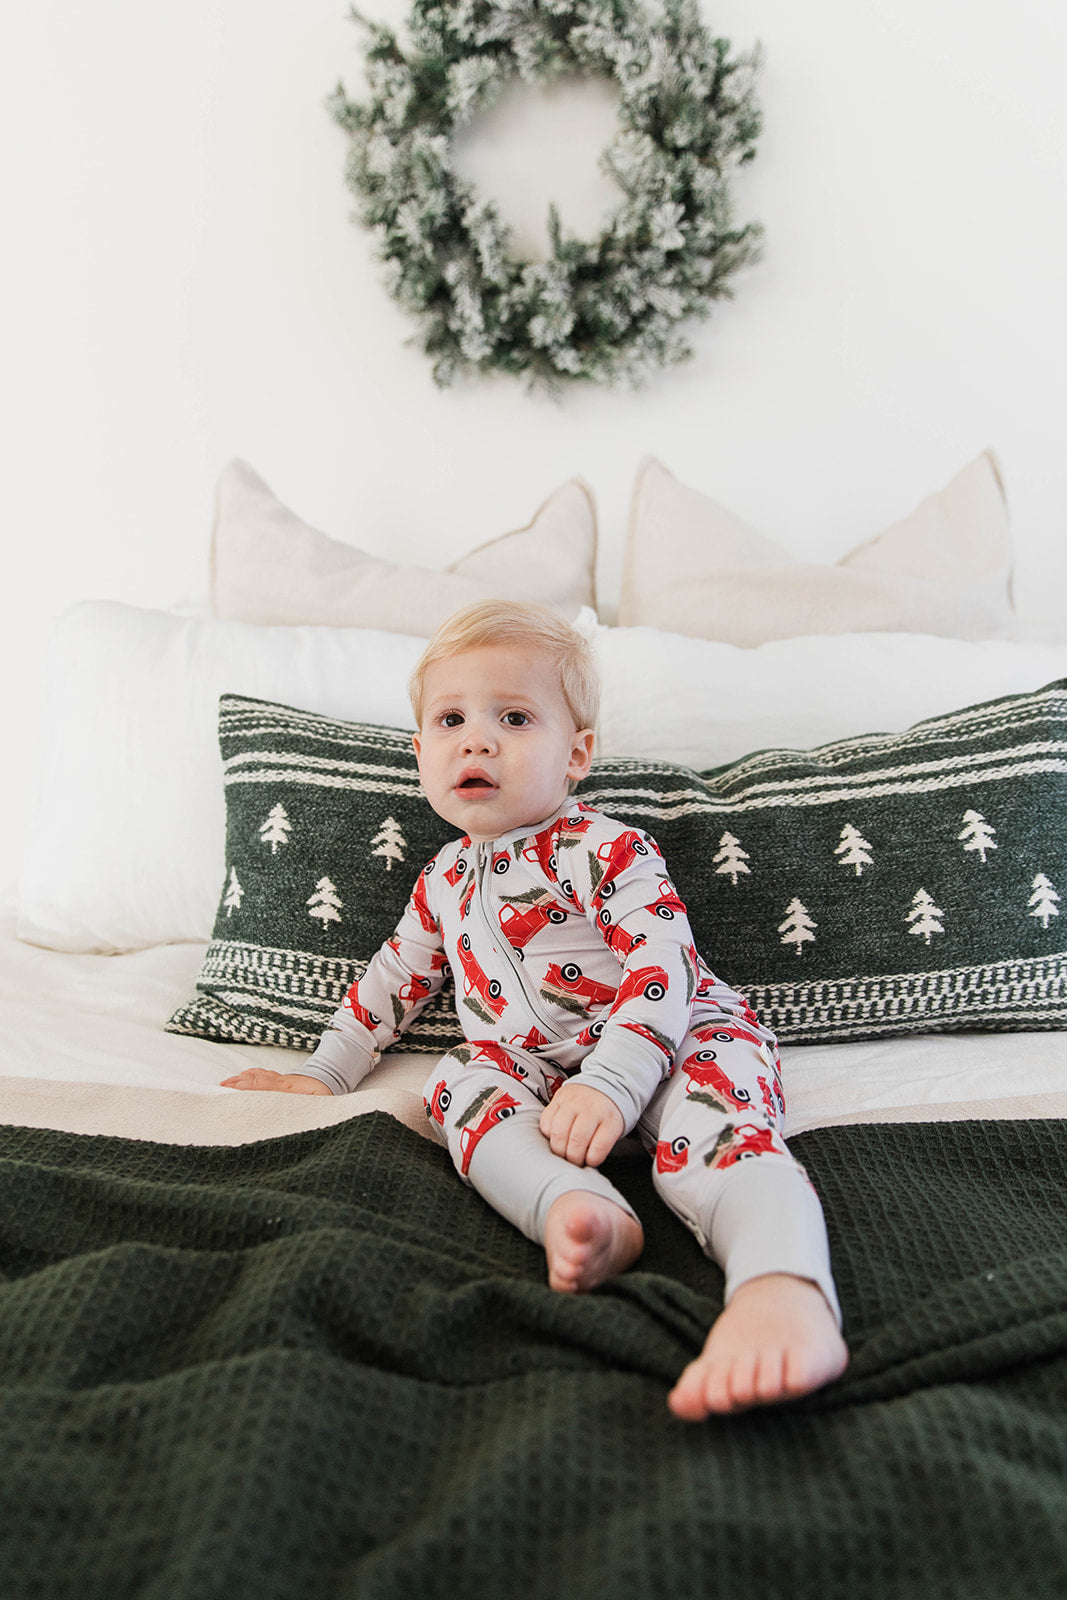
(82, 1048)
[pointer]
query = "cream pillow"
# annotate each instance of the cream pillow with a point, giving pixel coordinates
(268, 566)
(692, 567)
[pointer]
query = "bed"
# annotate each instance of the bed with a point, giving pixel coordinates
(265, 1345)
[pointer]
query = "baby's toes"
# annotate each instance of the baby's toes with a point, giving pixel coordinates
(703, 1388)
(690, 1399)
(771, 1382)
(742, 1380)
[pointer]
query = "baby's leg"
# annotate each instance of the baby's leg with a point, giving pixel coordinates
(489, 1117)
(722, 1165)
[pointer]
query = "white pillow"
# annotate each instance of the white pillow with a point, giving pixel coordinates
(703, 704)
(128, 839)
(126, 848)
(694, 568)
(268, 566)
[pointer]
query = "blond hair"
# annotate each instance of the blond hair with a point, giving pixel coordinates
(514, 622)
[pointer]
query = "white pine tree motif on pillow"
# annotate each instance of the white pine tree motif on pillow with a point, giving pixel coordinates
(325, 904)
(234, 894)
(1044, 900)
(854, 849)
(390, 842)
(276, 829)
(977, 832)
(732, 856)
(924, 915)
(798, 926)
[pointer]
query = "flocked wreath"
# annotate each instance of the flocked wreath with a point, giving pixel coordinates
(605, 309)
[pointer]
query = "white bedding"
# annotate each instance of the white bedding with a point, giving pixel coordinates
(82, 1040)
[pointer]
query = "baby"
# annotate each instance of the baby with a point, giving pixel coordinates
(588, 1013)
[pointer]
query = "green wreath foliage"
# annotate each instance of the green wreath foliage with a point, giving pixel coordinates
(607, 309)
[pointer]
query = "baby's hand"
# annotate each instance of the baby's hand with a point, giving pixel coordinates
(581, 1124)
(265, 1078)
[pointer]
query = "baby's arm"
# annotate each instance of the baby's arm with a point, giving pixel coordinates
(399, 981)
(638, 915)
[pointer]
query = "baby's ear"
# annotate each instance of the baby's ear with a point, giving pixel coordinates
(416, 745)
(581, 753)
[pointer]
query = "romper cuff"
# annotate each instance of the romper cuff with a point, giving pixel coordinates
(617, 1089)
(341, 1064)
(767, 1218)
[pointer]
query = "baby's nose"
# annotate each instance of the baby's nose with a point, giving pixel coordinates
(479, 740)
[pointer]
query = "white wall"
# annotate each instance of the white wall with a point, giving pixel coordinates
(181, 283)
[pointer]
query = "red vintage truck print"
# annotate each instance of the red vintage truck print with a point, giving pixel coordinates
(520, 922)
(773, 1099)
(439, 1102)
(726, 1030)
(568, 982)
(456, 870)
(361, 1014)
(500, 1058)
(541, 852)
(618, 941)
(574, 827)
(616, 855)
(648, 983)
(414, 990)
(501, 1106)
(741, 1143)
(668, 903)
(703, 1071)
(422, 906)
(671, 1156)
(528, 1041)
(475, 981)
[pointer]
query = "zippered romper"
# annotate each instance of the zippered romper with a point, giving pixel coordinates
(574, 960)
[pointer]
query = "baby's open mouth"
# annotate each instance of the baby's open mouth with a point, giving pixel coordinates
(475, 781)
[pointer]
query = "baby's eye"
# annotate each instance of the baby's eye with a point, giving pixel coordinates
(452, 719)
(516, 719)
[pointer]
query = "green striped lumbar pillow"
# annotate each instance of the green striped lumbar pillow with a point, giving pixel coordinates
(891, 883)
(326, 832)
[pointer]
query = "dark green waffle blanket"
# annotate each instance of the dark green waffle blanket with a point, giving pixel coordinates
(320, 1367)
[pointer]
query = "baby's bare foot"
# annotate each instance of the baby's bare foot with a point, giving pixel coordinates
(776, 1340)
(588, 1238)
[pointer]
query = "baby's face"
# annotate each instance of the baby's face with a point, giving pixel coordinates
(497, 747)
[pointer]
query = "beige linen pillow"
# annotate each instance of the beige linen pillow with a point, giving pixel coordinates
(267, 566)
(692, 567)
